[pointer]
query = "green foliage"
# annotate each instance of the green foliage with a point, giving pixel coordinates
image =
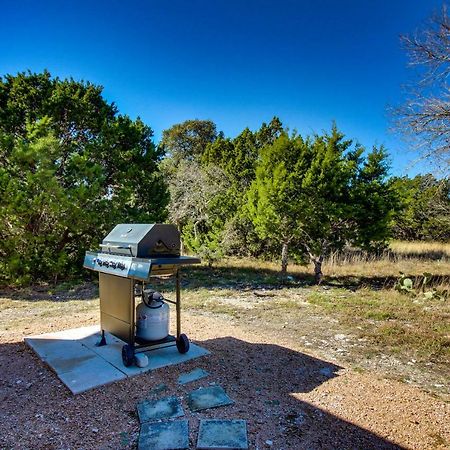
(238, 158)
(312, 194)
(70, 168)
(406, 285)
(188, 140)
(424, 208)
(204, 243)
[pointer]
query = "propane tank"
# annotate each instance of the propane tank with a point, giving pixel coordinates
(152, 317)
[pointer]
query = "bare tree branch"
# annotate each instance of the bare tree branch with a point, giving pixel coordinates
(424, 119)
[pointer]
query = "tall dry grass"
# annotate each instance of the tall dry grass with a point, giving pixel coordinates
(420, 248)
(411, 258)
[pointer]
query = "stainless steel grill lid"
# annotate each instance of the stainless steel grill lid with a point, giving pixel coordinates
(143, 240)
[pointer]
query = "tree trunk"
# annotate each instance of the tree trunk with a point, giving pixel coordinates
(318, 275)
(284, 258)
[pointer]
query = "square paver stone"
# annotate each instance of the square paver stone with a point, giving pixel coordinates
(171, 435)
(194, 375)
(162, 408)
(222, 434)
(210, 397)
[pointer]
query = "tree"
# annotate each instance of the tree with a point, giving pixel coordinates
(309, 194)
(238, 159)
(70, 168)
(424, 208)
(425, 116)
(188, 140)
(197, 196)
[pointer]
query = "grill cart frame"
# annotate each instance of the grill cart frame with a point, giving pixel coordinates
(120, 274)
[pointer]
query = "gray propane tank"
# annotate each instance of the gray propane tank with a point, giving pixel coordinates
(152, 317)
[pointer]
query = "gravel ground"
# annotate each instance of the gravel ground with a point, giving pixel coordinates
(291, 399)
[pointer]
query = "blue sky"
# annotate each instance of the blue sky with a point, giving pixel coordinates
(237, 63)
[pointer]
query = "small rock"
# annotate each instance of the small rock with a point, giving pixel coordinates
(95, 430)
(141, 360)
(269, 442)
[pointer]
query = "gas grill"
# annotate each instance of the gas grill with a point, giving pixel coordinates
(130, 255)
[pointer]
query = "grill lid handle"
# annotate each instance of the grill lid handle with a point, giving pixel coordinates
(121, 247)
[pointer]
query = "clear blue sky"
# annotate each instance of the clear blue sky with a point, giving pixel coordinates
(236, 62)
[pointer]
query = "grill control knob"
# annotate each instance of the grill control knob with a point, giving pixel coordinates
(99, 262)
(112, 264)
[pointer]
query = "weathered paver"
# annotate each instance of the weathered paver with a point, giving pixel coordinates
(162, 408)
(222, 434)
(90, 373)
(210, 397)
(194, 375)
(173, 435)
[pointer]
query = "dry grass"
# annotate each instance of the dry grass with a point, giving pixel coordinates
(356, 267)
(411, 258)
(409, 249)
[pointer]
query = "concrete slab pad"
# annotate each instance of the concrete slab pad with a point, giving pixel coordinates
(72, 351)
(209, 397)
(162, 408)
(169, 356)
(49, 347)
(90, 374)
(194, 375)
(171, 435)
(157, 358)
(222, 434)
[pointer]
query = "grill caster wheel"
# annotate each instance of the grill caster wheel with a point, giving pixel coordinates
(183, 343)
(127, 355)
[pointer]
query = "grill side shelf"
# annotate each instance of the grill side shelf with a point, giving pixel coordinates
(137, 268)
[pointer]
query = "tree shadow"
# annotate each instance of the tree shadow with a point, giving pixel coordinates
(264, 381)
(250, 278)
(59, 293)
(383, 282)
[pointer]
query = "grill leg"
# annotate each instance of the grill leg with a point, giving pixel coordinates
(102, 340)
(178, 306)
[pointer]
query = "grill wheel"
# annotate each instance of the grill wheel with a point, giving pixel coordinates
(127, 355)
(183, 343)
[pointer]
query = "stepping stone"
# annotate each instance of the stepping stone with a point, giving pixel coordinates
(159, 388)
(163, 408)
(222, 434)
(194, 375)
(171, 435)
(210, 397)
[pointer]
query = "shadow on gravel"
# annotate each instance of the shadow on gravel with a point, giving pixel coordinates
(58, 293)
(260, 378)
(263, 379)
